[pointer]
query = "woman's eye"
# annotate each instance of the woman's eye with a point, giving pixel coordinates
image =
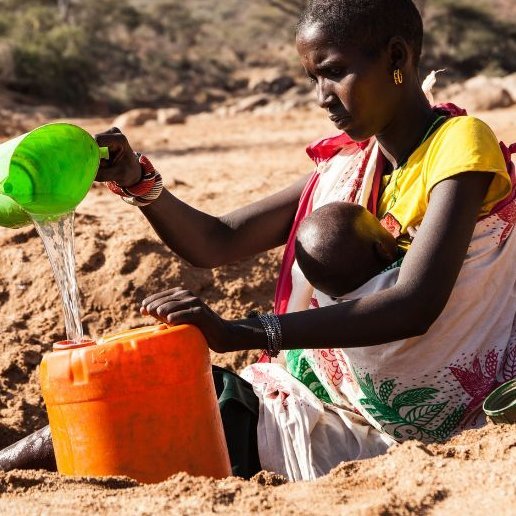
(311, 79)
(335, 72)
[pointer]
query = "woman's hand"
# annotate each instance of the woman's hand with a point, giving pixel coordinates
(123, 166)
(178, 306)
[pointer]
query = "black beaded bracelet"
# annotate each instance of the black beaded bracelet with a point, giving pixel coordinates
(272, 327)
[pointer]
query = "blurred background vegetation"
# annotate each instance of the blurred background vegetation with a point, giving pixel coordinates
(92, 56)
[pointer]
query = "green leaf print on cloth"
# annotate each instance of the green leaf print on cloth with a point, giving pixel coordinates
(409, 415)
(298, 367)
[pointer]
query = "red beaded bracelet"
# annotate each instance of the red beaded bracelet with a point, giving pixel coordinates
(145, 191)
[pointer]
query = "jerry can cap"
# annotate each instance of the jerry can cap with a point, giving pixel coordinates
(65, 345)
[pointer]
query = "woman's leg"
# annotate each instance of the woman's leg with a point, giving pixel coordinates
(32, 452)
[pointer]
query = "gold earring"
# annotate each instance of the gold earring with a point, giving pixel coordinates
(398, 77)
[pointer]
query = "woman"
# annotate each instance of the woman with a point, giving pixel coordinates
(413, 352)
(412, 165)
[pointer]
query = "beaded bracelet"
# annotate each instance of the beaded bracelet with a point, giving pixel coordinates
(271, 325)
(145, 191)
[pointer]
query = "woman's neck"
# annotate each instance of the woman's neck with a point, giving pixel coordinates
(406, 130)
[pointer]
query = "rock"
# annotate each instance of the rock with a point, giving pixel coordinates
(445, 94)
(284, 105)
(215, 94)
(479, 81)
(479, 93)
(236, 84)
(300, 90)
(13, 123)
(250, 103)
(31, 357)
(272, 108)
(268, 80)
(50, 112)
(508, 83)
(483, 99)
(208, 95)
(151, 123)
(135, 117)
(276, 86)
(168, 116)
(223, 111)
(179, 93)
(256, 74)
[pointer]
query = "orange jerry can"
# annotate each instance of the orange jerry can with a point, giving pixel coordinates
(140, 403)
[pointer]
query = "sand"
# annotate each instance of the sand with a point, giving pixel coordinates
(217, 165)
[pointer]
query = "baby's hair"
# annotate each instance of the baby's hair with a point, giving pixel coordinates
(336, 247)
(369, 24)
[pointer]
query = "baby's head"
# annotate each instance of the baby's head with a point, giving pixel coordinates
(342, 245)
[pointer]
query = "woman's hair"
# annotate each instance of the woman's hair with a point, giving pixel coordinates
(369, 24)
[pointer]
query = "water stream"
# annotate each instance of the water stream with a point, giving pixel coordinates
(58, 239)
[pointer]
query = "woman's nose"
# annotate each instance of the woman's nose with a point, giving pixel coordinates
(325, 94)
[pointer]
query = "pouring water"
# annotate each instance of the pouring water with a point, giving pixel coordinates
(58, 239)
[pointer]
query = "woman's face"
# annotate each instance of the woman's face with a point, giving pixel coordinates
(357, 91)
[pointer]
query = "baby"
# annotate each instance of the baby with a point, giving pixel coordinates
(340, 246)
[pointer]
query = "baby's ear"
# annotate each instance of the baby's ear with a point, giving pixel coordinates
(384, 251)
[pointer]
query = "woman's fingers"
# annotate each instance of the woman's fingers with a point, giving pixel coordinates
(122, 165)
(179, 306)
(113, 130)
(148, 302)
(170, 306)
(164, 293)
(117, 144)
(186, 316)
(164, 303)
(112, 138)
(175, 312)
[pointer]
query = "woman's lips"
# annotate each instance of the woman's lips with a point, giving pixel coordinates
(340, 121)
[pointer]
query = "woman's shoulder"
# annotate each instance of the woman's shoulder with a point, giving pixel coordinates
(467, 138)
(465, 126)
(467, 144)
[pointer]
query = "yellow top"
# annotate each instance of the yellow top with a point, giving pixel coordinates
(461, 144)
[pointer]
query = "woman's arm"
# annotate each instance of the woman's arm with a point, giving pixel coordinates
(201, 239)
(208, 241)
(425, 282)
(408, 309)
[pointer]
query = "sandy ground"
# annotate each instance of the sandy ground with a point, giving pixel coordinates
(216, 165)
